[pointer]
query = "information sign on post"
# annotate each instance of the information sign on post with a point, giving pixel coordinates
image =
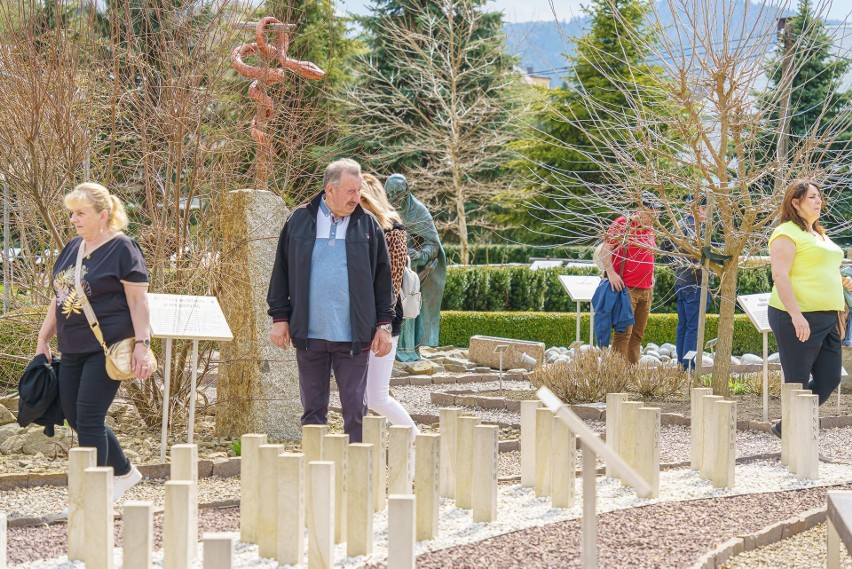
(581, 288)
(756, 306)
(180, 317)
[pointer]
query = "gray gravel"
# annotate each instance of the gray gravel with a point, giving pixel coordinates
(802, 551)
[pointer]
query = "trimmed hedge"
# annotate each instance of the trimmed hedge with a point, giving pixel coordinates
(502, 253)
(560, 329)
(478, 288)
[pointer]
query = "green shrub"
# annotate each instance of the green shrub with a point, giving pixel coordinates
(502, 253)
(559, 329)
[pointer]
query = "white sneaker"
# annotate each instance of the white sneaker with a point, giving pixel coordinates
(122, 484)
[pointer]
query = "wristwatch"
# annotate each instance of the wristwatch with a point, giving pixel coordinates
(386, 327)
(146, 341)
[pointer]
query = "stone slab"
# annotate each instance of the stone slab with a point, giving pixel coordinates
(481, 352)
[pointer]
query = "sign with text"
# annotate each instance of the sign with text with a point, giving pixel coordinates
(190, 317)
(580, 288)
(757, 308)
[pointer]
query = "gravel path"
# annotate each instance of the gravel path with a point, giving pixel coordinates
(802, 551)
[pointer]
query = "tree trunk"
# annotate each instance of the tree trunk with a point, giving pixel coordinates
(464, 252)
(725, 331)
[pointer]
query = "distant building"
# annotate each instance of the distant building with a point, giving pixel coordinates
(531, 78)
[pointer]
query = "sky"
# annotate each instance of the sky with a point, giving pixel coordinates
(536, 10)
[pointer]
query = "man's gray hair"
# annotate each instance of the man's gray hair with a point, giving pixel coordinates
(335, 170)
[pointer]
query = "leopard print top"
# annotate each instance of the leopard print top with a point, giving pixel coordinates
(398, 251)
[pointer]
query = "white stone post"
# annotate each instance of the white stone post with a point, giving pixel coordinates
(312, 437)
(184, 467)
(359, 496)
(267, 511)
(399, 458)
(176, 526)
(464, 461)
(806, 409)
(485, 443)
(375, 432)
(793, 427)
(249, 497)
(218, 550)
(726, 444)
(613, 425)
(334, 449)
(528, 443)
(627, 436)
(696, 425)
(427, 451)
(79, 459)
(401, 531)
(786, 434)
(710, 421)
(543, 435)
(563, 464)
(97, 487)
(137, 535)
(449, 417)
(320, 516)
(648, 447)
(291, 508)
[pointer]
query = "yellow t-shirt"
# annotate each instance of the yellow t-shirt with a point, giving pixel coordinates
(815, 272)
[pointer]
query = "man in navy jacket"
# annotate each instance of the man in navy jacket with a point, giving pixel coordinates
(331, 297)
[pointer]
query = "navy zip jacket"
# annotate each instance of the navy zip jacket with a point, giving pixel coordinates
(612, 310)
(371, 299)
(38, 388)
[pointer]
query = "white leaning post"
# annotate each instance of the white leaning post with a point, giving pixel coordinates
(563, 465)
(786, 389)
(334, 449)
(543, 428)
(249, 491)
(792, 426)
(401, 531)
(359, 507)
(79, 459)
(806, 408)
(267, 509)
(709, 422)
(449, 417)
(320, 516)
(427, 450)
(137, 536)
(399, 458)
(97, 486)
(613, 423)
(375, 431)
(528, 442)
(312, 436)
(184, 467)
(485, 450)
(176, 526)
(696, 425)
(218, 550)
(464, 461)
(291, 508)
(3, 556)
(838, 520)
(648, 447)
(628, 432)
(726, 444)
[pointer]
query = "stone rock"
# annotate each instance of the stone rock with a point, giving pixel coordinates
(6, 416)
(707, 361)
(751, 359)
(735, 361)
(653, 353)
(448, 361)
(9, 430)
(35, 441)
(652, 346)
(10, 402)
(649, 361)
(420, 367)
(455, 368)
(774, 358)
(668, 346)
(481, 351)
(12, 445)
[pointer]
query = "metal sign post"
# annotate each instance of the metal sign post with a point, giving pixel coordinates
(756, 306)
(581, 288)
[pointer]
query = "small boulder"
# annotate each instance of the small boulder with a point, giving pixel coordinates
(649, 361)
(774, 358)
(751, 359)
(6, 416)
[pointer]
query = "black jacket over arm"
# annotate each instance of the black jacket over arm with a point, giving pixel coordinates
(370, 289)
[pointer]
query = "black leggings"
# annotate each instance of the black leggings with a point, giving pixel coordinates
(819, 356)
(85, 394)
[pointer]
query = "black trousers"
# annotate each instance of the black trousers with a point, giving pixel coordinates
(350, 372)
(85, 394)
(819, 356)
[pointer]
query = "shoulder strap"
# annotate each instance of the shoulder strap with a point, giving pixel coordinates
(84, 300)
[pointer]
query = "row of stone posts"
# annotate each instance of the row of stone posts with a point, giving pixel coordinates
(713, 434)
(800, 431)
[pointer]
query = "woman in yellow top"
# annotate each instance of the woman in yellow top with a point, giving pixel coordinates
(807, 294)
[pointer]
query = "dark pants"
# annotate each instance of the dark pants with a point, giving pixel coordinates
(819, 356)
(688, 303)
(85, 394)
(350, 372)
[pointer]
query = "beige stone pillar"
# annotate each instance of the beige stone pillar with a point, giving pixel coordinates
(543, 435)
(399, 458)
(786, 390)
(627, 436)
(401, 531)
(249, 497)
(176, 526)
(359, 496)
(79, 459)
(184, 466)
(793, 427)
(3, 529)
(726, 444)
(448, 420)
(267, 511)
(320, 514)
(464, 461)
(426, 485)
(375, 432)
(484, 499)
(806, 408)
(137, 535)
(709, 419)
(613, 424)
(97, 487)
(563, 464)
(528, 443)
(696, 425)
(312, 437)
(291, 508)
(218, 550)
(334, 449)
(648, 447)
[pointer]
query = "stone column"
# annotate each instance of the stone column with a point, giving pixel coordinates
(563, 464)
(375, 431)
(97, 487)
(628, 435)
(648, 447)
(464, 461)
(528, 443)
(726, 444)
(359, 506)
(185, 467)
(708, 416)
(137, 536)
(334, 449)
(786, 389)
(79, 459)
(613, 424)
(399, 459)
(485, 449)
(249, 497)
(793, 426)
(448, 419)
(427, 453)
(258, 384)
(320, 514)
(806, 408)
(401, 531)
(218, 550)
(291, 508)
(696, 425)
(176, 526)
(543, 429)
(267, 512)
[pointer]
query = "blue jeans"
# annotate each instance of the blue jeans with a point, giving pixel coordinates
(688, 302)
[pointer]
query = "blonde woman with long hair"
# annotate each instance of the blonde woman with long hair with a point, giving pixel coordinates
(375, 201)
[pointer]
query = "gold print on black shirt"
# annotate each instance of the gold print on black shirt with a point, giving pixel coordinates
(66, 292)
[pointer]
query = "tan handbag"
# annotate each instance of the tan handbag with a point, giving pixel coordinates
(119, 356)
(842, 319)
